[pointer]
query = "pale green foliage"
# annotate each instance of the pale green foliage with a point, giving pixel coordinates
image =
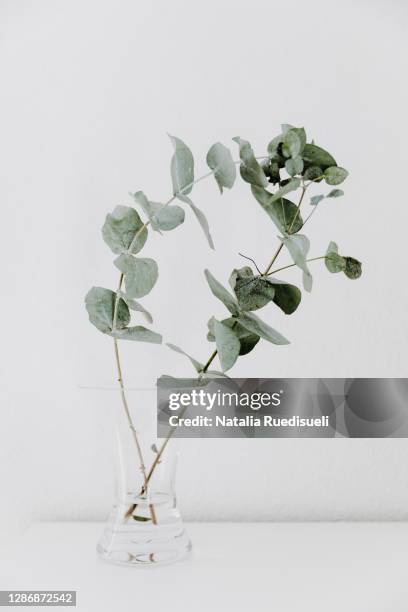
(298, 247)
(251, 170)
(141, 274)
(219, 159)
(228, 345)
(256, 326)
(283, 212)
(182, 167)
(100, 304)
(137, 334)
(124, 229)
(291, 164)
(197, 365)
(201, 218)
(222, 294)
(334, 262)
(162, 217)
(335, 175)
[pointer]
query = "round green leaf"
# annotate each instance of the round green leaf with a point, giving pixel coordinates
(353, 268)
(228, 345)
(219, 159)
(334, 262)
(100, 304)
(294, 166)
(140, 274)
(316, 156)
(124, 229)
(335, 175)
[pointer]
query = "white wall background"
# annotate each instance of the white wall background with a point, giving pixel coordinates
(89, 90)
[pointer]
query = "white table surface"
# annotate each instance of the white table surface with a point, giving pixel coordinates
(333, 567)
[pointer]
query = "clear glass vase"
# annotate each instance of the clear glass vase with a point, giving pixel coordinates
(145, 527)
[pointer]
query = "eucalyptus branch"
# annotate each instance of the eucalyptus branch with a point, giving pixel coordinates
(302, 165)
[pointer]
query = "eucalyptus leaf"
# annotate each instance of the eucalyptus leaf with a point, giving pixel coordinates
(201, 218)
(253, 292)
(312, 173)
(182, 167)
(273, 146)
(197, 365)
(222, 294)
(251, 170)
(100, 304)
(314, 200)
(291, 185)
(300, 133)
(124, 228)
(137, 334)
(228, 345)
(219, 159)
(256, 326)
(136, 306)
(283, 212)
(247, 339)
(140, 274)
(316, 156)
(298, 247)
(287, 296)
(292, 143)
(294, 166)
(335, 193)
(162, 217)
(335, 175)
(353, 268)
(333, 261)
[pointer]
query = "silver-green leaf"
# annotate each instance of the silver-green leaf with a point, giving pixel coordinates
(314, 200)
(335, 193)
(197, 365)
(201, 218)
(100, 304)
(250, 169)
(334, 262)
(222, 294)
(137, 307)
(137, 334)
(219, 159)
(294, 166)
(182, 167)
(256, 326)
(228, 345)
(162, 217)
(298, 247)
(335, 175)
(283, 212)
(141, 274)
(123, 229)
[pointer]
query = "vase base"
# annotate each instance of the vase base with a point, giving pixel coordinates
(144, 544)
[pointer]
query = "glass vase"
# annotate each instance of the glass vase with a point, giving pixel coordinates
(145, 526)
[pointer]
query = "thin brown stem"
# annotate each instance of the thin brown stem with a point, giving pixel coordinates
(293, 265)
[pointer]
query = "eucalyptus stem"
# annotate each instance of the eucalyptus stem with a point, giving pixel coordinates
(214, 354)
(294, 265)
